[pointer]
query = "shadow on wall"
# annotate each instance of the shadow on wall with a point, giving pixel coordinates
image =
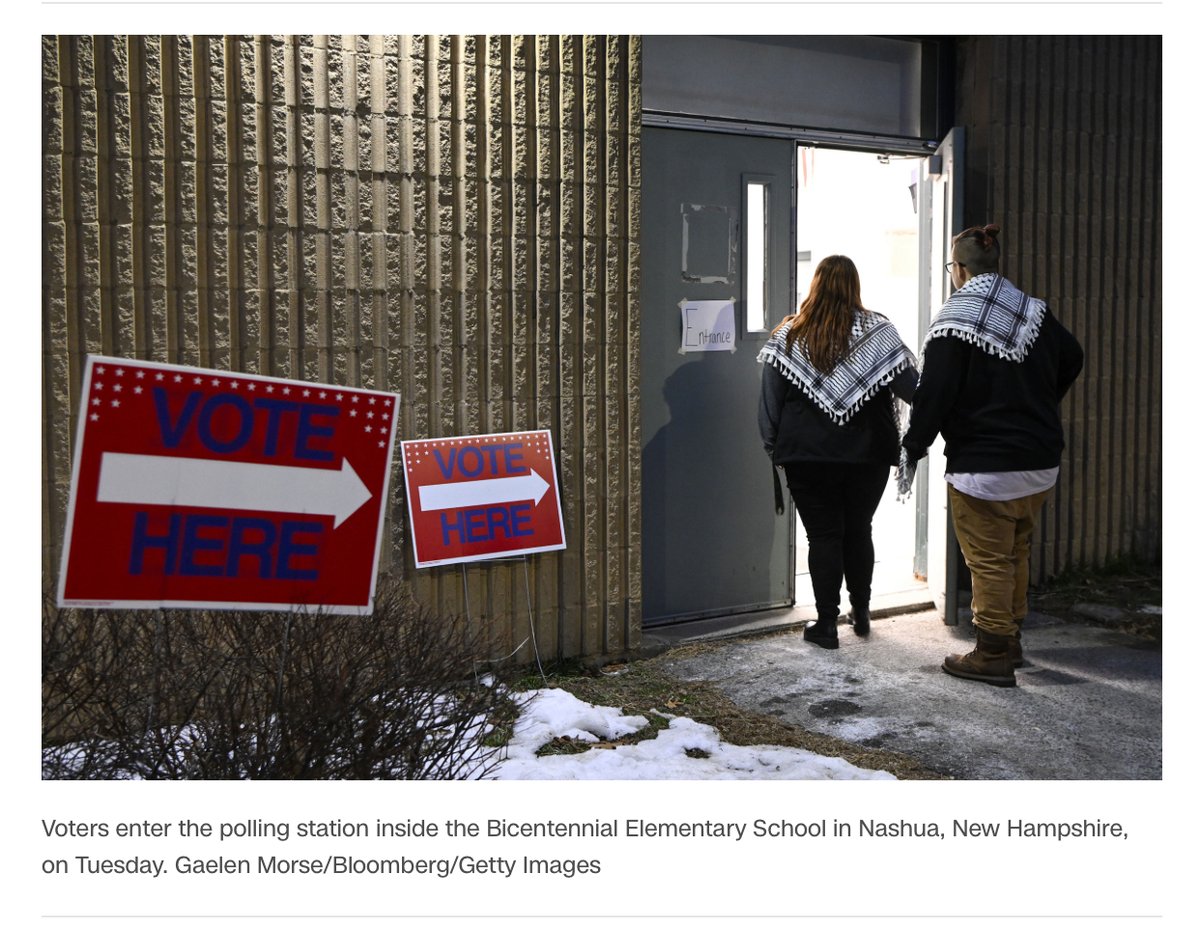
(700, 506)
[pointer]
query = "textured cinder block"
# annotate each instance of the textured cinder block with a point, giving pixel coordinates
(77, 63)
(523, 53)
(184, 129)
(81, 174)
(357, 301)
(52, 63)
(185, 194)
(53, 126)
(55, 258)
(151, 127)
(633, 277)
(615, 580)
(215, 148)
(614, 263)
(275, 151)
(593, 265)
(85, 254)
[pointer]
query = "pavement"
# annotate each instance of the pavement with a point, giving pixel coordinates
(1088, 703)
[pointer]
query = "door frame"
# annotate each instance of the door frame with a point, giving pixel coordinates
(942, 174)
(942, 200)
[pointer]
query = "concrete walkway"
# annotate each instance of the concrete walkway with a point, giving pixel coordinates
(1088, 703)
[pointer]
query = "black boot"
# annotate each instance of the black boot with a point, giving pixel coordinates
(861, 618)
(822, 633)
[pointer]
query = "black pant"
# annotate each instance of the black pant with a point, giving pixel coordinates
(836, 502)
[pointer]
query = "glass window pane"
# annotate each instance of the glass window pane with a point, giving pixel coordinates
(756, 257)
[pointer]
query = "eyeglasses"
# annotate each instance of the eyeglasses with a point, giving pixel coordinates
(950, 267)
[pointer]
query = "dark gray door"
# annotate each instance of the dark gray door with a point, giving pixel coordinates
(712, 543)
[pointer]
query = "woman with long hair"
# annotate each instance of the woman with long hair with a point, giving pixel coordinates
(829, 417)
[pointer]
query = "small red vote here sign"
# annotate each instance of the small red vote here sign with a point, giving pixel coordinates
(201, 488)
(472, 498)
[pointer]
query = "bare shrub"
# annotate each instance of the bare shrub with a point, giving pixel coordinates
(222, 695)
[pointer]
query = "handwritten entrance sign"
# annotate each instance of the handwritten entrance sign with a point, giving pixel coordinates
(708, 326)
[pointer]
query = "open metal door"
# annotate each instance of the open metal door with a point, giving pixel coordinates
(942, 216)
(717, 243)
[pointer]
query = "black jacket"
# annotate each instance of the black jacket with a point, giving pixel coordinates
(995, 415)
(794, 429)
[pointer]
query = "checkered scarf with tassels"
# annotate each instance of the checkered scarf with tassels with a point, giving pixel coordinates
(874, 356)
(990, 312)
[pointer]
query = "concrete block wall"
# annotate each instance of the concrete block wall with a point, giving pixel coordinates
(450, 217)
(1064, 152)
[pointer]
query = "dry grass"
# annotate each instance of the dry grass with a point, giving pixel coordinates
(643, 687)
(1125, 584)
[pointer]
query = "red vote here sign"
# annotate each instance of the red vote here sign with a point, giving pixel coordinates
(201, 488)
(472, 498)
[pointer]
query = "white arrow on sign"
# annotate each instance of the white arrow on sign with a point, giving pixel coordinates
(184, 482)
(479, 493)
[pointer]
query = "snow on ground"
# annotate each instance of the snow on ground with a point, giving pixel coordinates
(684, 750)
(551, 712)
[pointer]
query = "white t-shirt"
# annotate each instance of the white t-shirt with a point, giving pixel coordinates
(1003, 485)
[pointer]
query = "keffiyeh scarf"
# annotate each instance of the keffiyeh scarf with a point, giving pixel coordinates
(990, 312)
(874, 357)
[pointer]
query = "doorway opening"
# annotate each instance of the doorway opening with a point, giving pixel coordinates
(864, 205)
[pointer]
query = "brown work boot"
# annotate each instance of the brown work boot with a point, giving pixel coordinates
(990, 661)
(1014, 648)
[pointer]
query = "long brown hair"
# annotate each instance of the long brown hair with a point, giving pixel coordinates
(826, 316)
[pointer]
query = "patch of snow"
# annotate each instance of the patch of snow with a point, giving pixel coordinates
(550, 713)
(855, 731)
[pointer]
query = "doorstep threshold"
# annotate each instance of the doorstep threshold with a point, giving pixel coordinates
(776, 621)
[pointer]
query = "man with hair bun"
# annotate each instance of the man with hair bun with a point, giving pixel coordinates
(994, 367)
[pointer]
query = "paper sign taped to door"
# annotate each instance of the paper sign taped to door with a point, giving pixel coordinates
(708, 326)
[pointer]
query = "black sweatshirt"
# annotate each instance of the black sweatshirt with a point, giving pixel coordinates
(995, 415)
(794, 429)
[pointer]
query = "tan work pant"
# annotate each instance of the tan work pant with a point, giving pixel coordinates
(994, 537)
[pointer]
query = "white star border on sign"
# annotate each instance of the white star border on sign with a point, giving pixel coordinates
(236, 384)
